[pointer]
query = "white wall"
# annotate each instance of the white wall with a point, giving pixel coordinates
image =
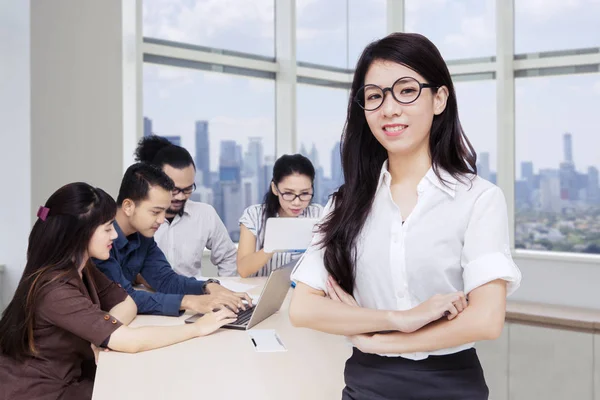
(15, 157)
(82, 81)
(561, 282)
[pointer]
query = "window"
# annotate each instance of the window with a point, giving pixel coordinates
(335, 32)
(557, 198)
(227, 123)
(556, 25)
(321, 32)
(459, 29)
(321, 118)
(367, 22)
(477, 112)
(243, 26)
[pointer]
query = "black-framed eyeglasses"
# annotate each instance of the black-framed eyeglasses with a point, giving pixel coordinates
(289, 196)
(186, 191)
(405, 90)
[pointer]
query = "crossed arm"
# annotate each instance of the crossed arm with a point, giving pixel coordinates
(482, 319)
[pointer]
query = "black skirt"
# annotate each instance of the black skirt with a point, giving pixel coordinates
(455, 376)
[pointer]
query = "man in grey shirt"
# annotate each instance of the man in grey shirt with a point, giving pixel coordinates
(190, 226)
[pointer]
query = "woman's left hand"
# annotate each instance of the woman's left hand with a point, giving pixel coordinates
(96, 351)
(368, 343)
(336, 293)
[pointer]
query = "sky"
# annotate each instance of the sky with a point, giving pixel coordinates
(333, 33)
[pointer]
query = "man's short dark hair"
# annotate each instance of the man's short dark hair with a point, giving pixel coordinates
(138, 180)
(159, 151)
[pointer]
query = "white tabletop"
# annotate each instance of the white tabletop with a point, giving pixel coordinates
(225, 365)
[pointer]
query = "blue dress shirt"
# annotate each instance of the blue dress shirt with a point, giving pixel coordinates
(136, 254)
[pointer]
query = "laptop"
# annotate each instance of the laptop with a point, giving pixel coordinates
(269, 302)
(289, 234)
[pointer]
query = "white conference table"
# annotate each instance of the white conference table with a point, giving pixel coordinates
(225, 365)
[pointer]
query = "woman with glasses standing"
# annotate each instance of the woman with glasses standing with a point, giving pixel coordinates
(289, 195)
(412, 261)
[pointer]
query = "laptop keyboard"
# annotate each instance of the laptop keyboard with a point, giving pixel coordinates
(244, 316)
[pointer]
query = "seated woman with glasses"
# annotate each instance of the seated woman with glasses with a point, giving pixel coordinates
(289, 196)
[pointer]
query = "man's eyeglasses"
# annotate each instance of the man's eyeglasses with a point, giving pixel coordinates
(186, 191)
(289, 196)
(405, 90)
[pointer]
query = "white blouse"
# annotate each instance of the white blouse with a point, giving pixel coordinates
(455, 239)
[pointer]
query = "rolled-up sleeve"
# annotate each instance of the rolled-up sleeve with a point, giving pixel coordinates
(109, 293)
(486, 254)
(250, 219)
(64, 305)
(310, 269)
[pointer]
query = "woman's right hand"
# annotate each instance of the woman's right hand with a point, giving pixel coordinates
(438, 306)
(212, 321)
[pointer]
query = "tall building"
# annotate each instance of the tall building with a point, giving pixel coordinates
(250, 190)
(568, 148)
(593, 186)
(265, 177)
(550, 200)
(147, 126)
(253, 157)
(320, 194)
(483, 165)
(203, 152)
(228, 155)
(314, 156)
(569, 185)
(231, 194)
(527, 172)
(233, 207)
(337, 175)
(203, 195)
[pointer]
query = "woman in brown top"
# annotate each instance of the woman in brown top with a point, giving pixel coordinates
(64, 309)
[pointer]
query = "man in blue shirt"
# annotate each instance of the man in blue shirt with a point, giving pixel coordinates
(144, 197)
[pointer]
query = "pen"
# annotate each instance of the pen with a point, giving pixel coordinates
(253, 341)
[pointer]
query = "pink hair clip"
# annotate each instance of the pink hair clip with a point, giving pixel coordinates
(43, 213)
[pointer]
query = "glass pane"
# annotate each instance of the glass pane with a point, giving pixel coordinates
(321, 117)
(557, 196)
(459, 29)
(367, 22)
(244, 26)
(226, 122)
(556, 25)
(321, 32)
(477, 111)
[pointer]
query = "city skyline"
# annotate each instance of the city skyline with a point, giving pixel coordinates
(565, 198)
(483, 161)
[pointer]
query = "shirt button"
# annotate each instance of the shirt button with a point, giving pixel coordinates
(106, 317)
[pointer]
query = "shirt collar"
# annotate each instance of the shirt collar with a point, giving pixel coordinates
(187, 209)
(447, 183)
(121, 241)
(384, 175)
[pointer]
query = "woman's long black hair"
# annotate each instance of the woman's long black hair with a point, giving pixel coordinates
(363, 156)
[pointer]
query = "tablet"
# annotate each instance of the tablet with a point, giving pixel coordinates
(289, 234)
